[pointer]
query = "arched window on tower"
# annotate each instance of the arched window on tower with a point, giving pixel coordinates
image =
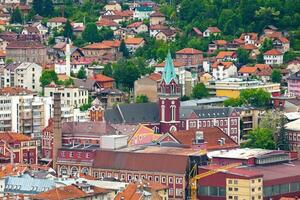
(162, 112)
(173, 113)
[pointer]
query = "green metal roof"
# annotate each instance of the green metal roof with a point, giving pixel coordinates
(169, 70)
(144, 9)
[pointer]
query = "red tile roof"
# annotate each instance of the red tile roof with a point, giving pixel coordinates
(249, 47)
(106, 22)
(112, 43)
(225, 64)
(283, 40)
(3, 22)
(189, 51)
(14, 91)
(96, 46)
(135, 24)
(25, 45)
(213, 29)
(155, 76)
(248, 69)
(176, 64)
(134, 41)
(124, 13)
(158, 27)
(58, 20)
(102, 78)
(12, 137)
(253, 36)
(67, 192)
(2, 53)
(211, 136)
(223, 54)
(130, 193)
(157, 14)
(273, 52)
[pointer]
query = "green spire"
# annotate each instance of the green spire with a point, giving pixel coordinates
(169, 70)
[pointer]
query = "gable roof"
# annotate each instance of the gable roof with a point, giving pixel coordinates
(134, 41)
(106, 22)
(129, 193)
(157, 14)
(58, 20)
(248, 69)
(102, 78)
(223, 54)
(213, 29)
(25, 45)
(225, 64)
(189, 51)
(133, 113)
(85, 83)
(96, 46)
(155, 76)
(211, 136)
(85, 128)
(135, 24)
(273, 52)
(14, 91)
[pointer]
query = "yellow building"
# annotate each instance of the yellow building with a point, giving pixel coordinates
(232, 87)
(244, 189)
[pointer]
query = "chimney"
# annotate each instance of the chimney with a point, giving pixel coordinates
(57, 135)
(68, 58)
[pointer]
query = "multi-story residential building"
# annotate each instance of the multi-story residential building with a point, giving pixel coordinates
(190, 56)
(101, 51)
(294, 84)
(222, 70)
(273, 57)
(56, 22)
(21, 111)
(157, 18)
(27, 51)
(249, 118)
(18, 147)
(70, 96)
(133, 44)
(142, 12)
(231, 87)
(226, 56)
(25, 75)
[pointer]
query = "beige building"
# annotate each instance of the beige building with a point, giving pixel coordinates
(70, 96)
(157, 18)
(25, 75)
(27, 51)
(112, 6)
(147, 86)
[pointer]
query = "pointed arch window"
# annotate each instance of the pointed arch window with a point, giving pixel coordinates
(163, 113)
(173, 113)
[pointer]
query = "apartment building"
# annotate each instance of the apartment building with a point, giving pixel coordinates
(25, 75)
(22, 112)
(70, 96)
(273, 57)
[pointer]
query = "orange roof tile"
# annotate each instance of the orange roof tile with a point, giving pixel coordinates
(223, 54)
(2, 53)
(135, 25)
(214, 29)
(220, 42)
(130, 193)
(248, 69)
(176, 64)
(134, 41)
(106, 22)
(13, 137)
(189, 51)
(111, 43)
(98, 45)
(3, 22)
(14, 91)
(58, 20)
(102, 78)
(263, 66)
(12, 170)
(273, 52)
(253, 36)
(67, 192)
(155, 76)
(283, 40)
(249, 47)
(225, 64)
(62, 77)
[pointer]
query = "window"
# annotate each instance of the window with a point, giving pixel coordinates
(162, 113)
(178, 192)
(178, 180)
(193, 124)
(71, 154)
(173, 113)
(230, 189)
(170, 179)
(235, 182)
(230, 197)
(163, 179)
(229, 181)
(235, 198)
(236, 189)
(156, 178)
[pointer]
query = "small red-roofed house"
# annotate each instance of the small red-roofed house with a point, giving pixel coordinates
(190, 56)
(222, 70)
(138, 27)
(133, 44)
(212, 30)
(273, 57)
(282, 44)
(56, 22)
(107, 23)
(105, 82)
(224, 56)
(157, 18)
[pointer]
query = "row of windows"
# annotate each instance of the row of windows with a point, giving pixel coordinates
(281, 189)
(71, 154)
(68, 94)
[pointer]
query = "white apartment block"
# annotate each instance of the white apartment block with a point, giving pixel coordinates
(223, 70)
(70, 96)
(273, 57)
(25, 75)
(21, 111)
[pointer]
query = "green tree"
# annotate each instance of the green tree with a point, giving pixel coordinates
(124, 49)
(47, 77)
(142, 99)
(243, 56)
(282, 140)
(266, 46)
(68, 30)
(260, 138)
(233, 102)
(184, 98)
(107, 71)
(199, 91)
(48, 8)
(276, 76)
(81, 73)
(125, 73)
(16, 16)
(90, 33)
(255, 97)
(105, 34)
(270, 120)
(37, 6)
(68, 82)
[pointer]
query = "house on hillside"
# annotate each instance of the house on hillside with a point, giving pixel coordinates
(273, 57)
(211, 31)
(222, 70)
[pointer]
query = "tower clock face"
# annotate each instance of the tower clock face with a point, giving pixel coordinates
(173, 129)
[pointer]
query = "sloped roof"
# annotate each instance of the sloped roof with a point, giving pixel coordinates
(25, 45)
(85, 128)
(106, 22)
(204, 113)
(155, 76)
(134, 41)
(102, 78)
(96, 46)
(273, 52)
(248, 69)
(58, 20)
(133, 113)
(135, 24)
(213, 29)
(225, 64)
(85, 83)
(133, 161)
(130, 193)
(189, 51)
(223, 54)
(14, 91)
(211, 136)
